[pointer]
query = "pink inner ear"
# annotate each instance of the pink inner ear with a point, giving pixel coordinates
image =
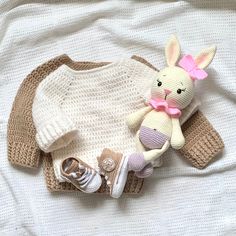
(201, 59)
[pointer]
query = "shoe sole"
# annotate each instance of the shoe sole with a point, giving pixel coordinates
(81, 189)
(120, 179)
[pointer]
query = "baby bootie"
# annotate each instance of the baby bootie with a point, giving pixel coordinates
(81, 175)
(114, 166)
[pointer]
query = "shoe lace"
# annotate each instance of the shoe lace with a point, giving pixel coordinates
(84, 178)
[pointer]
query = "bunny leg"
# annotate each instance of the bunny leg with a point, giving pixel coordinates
(145, 172)
(136, 160)
(152, 155)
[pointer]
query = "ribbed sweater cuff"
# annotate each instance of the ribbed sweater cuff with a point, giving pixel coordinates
(57, 133)
(22, 154)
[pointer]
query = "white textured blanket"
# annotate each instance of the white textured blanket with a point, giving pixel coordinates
(178, 199)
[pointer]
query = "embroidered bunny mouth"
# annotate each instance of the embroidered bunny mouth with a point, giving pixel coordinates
(167, 92)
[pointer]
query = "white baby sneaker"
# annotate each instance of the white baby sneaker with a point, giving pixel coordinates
(114, 166)
(81, 175)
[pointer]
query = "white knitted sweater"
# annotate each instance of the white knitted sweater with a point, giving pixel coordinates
(78, 113)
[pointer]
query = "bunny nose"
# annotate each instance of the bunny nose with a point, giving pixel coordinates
(167, 91)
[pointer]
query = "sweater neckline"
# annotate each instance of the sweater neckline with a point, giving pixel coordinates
(103, 68)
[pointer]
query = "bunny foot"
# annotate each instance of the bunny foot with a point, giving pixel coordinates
(145, 172)
(136, 162)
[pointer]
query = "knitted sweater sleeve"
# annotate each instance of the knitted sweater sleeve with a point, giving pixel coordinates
(54, 128)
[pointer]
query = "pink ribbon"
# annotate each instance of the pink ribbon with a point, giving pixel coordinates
(190, 66)
(162, 105)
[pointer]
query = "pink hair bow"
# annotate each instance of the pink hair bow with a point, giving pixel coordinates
(190, 66)
(162, 105)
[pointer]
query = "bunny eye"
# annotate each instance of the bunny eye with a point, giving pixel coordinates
(179, 91)
(159, 83)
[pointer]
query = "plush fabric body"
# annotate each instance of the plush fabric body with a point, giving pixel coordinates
(155, 129)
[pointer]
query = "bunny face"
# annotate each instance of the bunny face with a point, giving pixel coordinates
(174, 85)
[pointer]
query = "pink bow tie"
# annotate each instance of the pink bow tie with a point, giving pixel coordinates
(189, 65)
(162, 105)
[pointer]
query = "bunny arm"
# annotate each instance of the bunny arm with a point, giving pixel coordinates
(134, 120)
(177, 138)
(146, 97)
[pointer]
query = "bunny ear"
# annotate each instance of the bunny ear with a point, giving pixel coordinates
(204, 58)
(172, 51)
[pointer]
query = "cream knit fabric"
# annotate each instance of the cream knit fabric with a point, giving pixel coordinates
(78, 113)
(178, 200)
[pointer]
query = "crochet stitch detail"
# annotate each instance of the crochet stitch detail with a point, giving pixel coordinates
(95, 105)
(24, 151)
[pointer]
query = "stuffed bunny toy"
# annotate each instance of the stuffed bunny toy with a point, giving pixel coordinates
(158, 121)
